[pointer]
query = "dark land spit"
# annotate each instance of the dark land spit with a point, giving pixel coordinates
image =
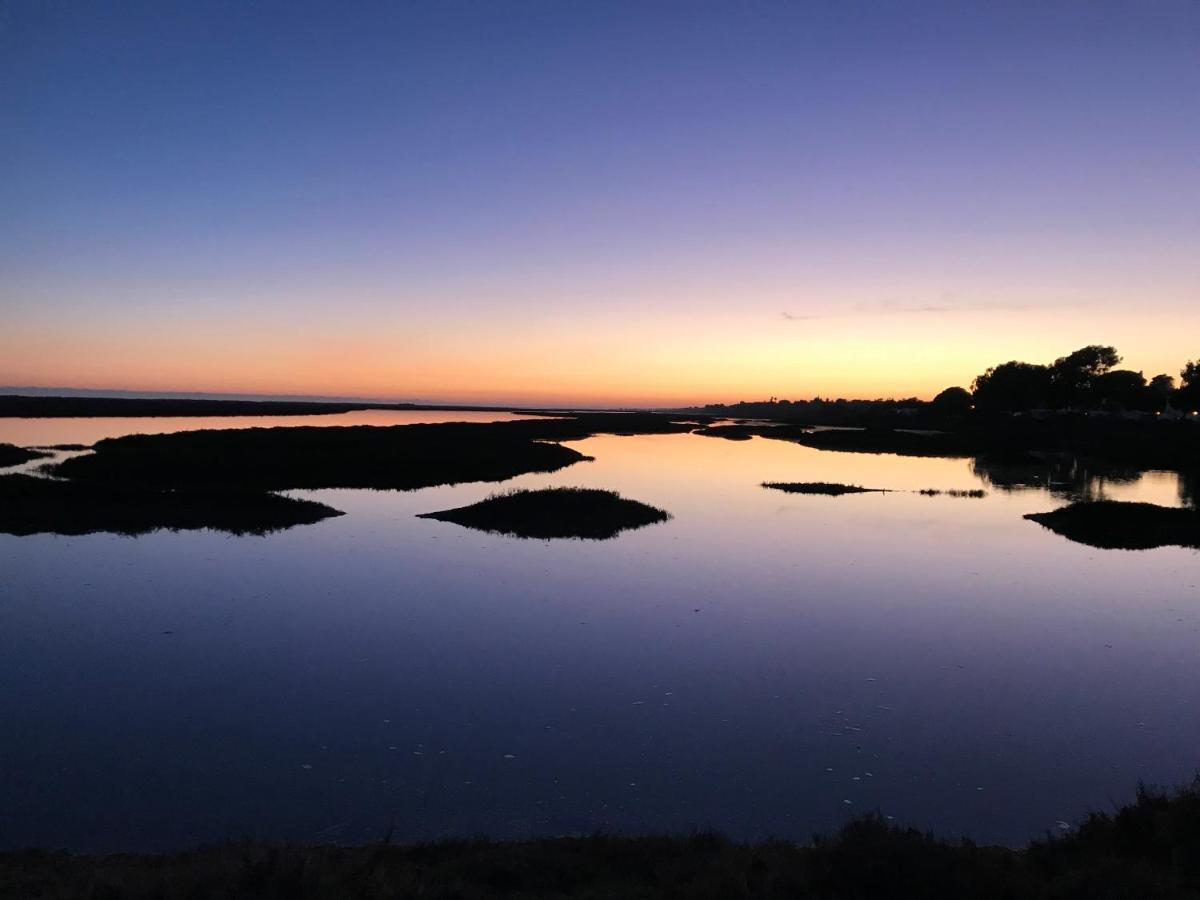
(555, 513)
(17, 406)
(32, 505)
(401, 457)
(1156, 444)
(729, 432)
(851, 440)
(1113, 525)
(11, 455)
(878, 440)
(1148, 850)
(975, 493)
(826, 488)
(44, 407)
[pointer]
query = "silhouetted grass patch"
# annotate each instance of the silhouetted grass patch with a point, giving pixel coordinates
(740, 432)
(564, 512)
(1112, 524)
(1149, 849)
(879, 440)
(827, 488)
(975, 493)
(32, 505)
(402, 457)
(852, 440)
(11, 455)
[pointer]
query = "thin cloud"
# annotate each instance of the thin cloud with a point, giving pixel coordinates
(897, 308)
(948, 303)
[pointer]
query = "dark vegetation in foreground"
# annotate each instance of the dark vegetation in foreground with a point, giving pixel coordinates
(1114, 525)
(564, 512)
(32, 505)
(1149, 849)
(11, 455)
(820, 487)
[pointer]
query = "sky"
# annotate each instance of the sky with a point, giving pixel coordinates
(593, 203)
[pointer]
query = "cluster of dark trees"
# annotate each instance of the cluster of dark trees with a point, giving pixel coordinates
(818, 410)
(1085, 380)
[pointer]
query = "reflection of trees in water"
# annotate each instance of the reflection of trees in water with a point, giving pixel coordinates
(1189, 488)
(1068, 477)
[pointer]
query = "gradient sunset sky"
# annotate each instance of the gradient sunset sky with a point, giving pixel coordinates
(593, 203)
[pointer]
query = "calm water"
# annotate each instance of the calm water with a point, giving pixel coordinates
(34, 432)
(766, 664)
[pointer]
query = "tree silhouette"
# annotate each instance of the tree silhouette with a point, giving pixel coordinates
(1120, 388)
(1012, 387)
(1162, 384)
(953, 401)
(1188, 395)
(1190, 376)
(1074, 376)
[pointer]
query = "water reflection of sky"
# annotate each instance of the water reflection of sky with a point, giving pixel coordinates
(751, 665)
(34, 432)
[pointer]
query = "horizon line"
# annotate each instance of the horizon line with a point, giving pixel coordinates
(138, 394)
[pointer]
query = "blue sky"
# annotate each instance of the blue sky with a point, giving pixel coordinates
(402, 198)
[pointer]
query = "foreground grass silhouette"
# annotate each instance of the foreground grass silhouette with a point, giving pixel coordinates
(11, 455)
(565, 512)
(1148, 849)
(1114, 525)
(32, 505)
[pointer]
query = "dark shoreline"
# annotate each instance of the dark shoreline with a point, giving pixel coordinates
(401, 457)
(11, 455)
(23, 406)
(1170, 446)
(223, 479)
(32, 505)
(1148, 444)
(1116, 525)
(1147, 849)
(408, 457)
(20, 406)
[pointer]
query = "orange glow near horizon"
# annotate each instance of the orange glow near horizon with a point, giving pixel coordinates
(587, 205)
(647, 362)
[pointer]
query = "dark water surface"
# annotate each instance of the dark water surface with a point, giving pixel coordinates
(764, 663)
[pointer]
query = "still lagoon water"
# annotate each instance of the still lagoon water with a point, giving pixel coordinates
(763, 664)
